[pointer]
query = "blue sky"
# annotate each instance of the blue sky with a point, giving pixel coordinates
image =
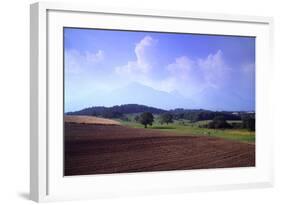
(205, 71)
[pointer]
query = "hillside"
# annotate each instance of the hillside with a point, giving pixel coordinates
(121, 109)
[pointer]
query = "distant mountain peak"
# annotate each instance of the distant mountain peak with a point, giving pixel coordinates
(137, 93)
(135, 83)
(138, 86)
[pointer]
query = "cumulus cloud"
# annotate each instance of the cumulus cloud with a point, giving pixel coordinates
(76, 61)
(94, 57)
(142, 64)
(214, 69)
(182, 67)
(184, 74)
(193, 75)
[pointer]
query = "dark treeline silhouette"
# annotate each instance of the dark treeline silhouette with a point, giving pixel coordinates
(219, 122)
(166, 118)
(116, 111)
(198, 115)
(193, 115)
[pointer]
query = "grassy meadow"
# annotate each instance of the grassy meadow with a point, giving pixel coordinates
(185, 127)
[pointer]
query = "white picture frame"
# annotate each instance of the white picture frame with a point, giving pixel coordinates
(47, 182)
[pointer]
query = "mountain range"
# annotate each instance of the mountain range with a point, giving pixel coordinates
(136, 93)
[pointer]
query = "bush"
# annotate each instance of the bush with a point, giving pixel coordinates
(237, 125)
(249, 123)
(219, 122)
(137, 118)
(166, 118)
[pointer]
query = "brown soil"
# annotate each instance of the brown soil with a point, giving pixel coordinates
(103, 149)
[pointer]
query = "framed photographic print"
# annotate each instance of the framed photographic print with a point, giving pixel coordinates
(127, 102)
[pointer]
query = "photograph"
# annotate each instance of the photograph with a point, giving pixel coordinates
(150, 101)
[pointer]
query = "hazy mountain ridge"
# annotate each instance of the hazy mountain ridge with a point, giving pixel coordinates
(136, 93)
(142, 95)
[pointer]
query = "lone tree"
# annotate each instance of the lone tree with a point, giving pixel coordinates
(166, 118)
(146, 118)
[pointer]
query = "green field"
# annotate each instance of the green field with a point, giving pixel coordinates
(185, 127)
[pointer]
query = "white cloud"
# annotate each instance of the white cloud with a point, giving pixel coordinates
(190, 76)
(94, 57)
(182, 67)
(142, 64)
(213, 61)
(186, 75)
(214, 69)
(76, 61)
(168, 84)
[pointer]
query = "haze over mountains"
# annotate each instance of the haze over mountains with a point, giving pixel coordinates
(163, 70)
(136, 93)
(217, 99)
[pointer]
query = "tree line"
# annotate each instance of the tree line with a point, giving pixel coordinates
(218, 122)
(145, 115)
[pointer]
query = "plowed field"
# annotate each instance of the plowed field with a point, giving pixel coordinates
(102, 149)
